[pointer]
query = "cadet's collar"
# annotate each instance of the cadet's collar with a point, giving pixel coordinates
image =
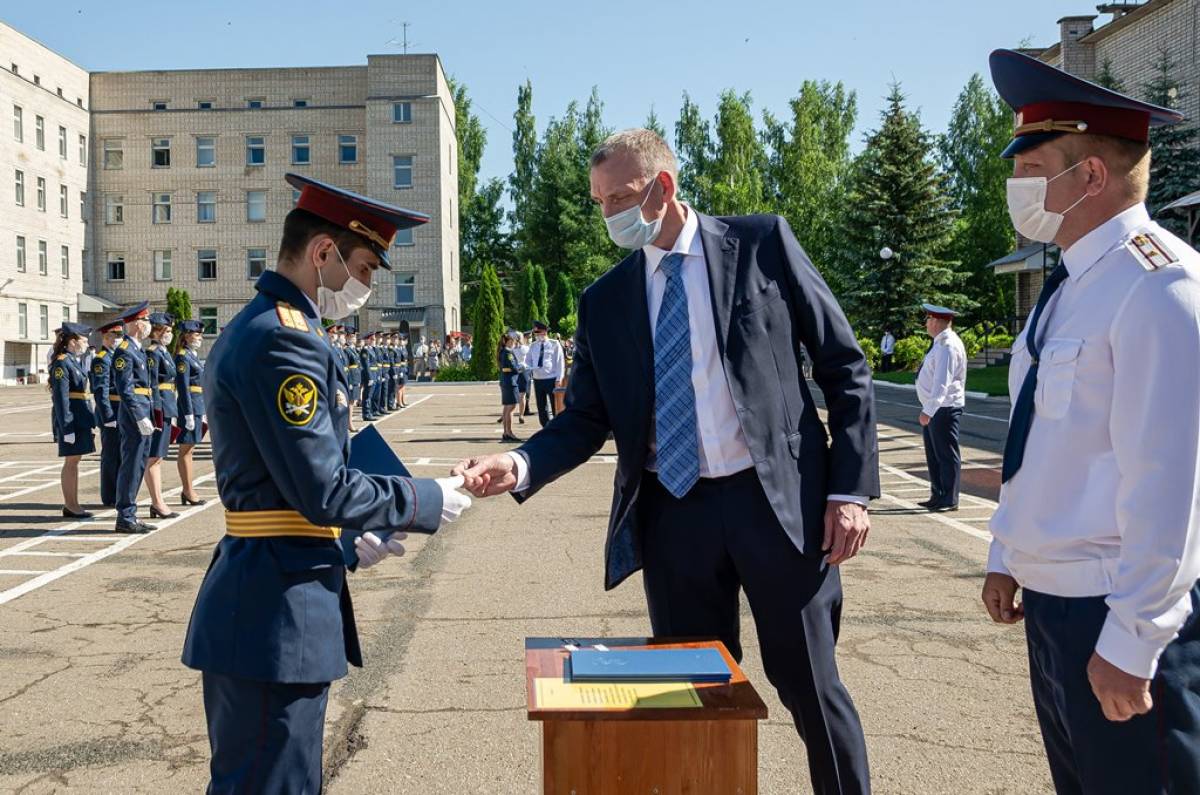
(1092, 247)
(285, 290)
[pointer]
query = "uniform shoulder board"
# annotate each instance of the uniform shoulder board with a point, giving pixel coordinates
(102, 354)
(291, 317)
(124, 344)
(60, 357)
(1150, 252)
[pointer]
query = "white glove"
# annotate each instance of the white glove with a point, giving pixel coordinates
(145, 427)
(371, 550)
(203, 419)
(112, 424)
(174, 422)
(68, 438)
(453, 501)
(189, 422)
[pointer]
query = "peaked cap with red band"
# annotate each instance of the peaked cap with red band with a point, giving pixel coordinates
(136, 312)
(1050, 102)
(375, 221)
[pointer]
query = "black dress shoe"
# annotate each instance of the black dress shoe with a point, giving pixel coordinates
(185, 501)
(508, 437)
(943, 508)
(927, 503)
(135, 527)
(81, 515)
(157, 514)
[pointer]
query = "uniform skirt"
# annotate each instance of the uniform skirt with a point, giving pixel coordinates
(192, 436)
(85, 443)
(160, 442)
(523, 384)
(508, 389)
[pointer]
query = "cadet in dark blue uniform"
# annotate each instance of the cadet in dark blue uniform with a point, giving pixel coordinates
(273, 623)
(135, 415)
(190, 397)
(161, 365)
(73, 418)
(510, 381)
(353, 372)
(393, 359)
(107, 401)
(370, 373)
(402, 370)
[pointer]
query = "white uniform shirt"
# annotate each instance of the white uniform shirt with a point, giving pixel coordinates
(887, 344)
(521, 352)
(552, 361)
(943, 378)
(1107, 499)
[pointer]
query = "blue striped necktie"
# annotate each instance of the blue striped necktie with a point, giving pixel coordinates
(674, 397)
(1022, 415)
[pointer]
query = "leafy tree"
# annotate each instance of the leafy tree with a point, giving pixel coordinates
(1174, 151)
(483, 239)
(179, 304)
(489, 325)
(524, 160)
(541, 297)
(562, 300)
(693, 146)
(526, 297)
(735, 171)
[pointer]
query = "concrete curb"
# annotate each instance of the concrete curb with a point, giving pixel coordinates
(913, 388)
(411, 384)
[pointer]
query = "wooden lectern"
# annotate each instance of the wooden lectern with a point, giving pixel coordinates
(712, 748)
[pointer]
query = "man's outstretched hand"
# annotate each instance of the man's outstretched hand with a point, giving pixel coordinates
(486, 476)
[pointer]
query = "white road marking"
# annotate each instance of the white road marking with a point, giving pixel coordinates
(965, 413)
(24, 572)
(943, 518)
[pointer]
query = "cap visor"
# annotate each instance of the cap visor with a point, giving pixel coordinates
(1027, 142)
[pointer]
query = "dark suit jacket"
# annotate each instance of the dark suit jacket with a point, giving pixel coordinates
(767, 299)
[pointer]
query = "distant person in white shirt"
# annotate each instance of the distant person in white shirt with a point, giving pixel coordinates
(546, 365)
(941, 388)
(887, 347)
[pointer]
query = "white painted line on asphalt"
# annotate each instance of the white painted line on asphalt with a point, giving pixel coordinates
(965, 413)
(27, 473)
(900, 473)
(21, 572)
(44, 484)
(28, 407)
(50, 554)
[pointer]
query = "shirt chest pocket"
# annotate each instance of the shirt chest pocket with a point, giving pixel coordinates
(1056, 377)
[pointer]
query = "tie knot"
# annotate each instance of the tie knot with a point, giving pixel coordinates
(671, 265)
(1057, 275)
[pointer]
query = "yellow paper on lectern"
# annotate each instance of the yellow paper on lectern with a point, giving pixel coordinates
(557, 694)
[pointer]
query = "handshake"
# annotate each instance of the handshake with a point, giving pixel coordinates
(371, 549)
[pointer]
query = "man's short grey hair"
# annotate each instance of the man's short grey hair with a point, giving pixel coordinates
(647, 147)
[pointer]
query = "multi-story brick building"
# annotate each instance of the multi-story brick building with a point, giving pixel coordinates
(184, 176)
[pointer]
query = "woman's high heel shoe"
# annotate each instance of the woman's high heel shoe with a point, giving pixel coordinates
(187, 501)
(72, 515)
(157, 514)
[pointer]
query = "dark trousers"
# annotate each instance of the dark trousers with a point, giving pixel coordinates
(368, 408)
(1158, 752)
(135, 449)
(543, 391)
(942, 455)
(110, 463)
(886, 365)
(264, 736)
(721, 537)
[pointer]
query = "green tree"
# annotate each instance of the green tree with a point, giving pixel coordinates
(561, 302)
(652, 123)
(1105, 77)
(693, 148)
(901, 201)
(1174, 150)
(734, 173)
(525, 146)
(541, 294)
(489, 325)
(179, 304)
(483, 240)
(526, 297)
(980, 128)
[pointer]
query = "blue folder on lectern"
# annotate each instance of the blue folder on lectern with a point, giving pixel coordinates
(649, 665)
(369, 453)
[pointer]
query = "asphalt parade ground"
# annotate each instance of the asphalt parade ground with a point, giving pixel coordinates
(93, 697)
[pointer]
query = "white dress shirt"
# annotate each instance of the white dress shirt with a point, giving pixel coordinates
(943, 378)
(552, 361)
(887, 344)
(723, 449)
(521, 352)
(1107, 499)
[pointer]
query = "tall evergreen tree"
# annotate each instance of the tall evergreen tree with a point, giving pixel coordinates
(524, 161)
(900, 201)
(489, 325)
(179, 303)
(1105, 77)
(562, 300)
(693, 148)
(1174, 150)
(980, 128)
(526, 297)
(541, 297)
(653, 124)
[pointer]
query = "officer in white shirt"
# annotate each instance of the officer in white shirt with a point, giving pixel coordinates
(887, 347)
(941, 388)
(546, 365)
(1099, 516)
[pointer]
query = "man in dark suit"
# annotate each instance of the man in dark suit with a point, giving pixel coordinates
(726, 477)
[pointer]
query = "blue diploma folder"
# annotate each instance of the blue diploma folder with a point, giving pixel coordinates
(370, 453)
(649, 665)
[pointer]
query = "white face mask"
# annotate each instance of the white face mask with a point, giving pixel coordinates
(337, 304)
(1027, 207)
(628, 229)
(194, 344)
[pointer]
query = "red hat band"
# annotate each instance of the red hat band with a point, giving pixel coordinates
(1079, 117)
(341, 212)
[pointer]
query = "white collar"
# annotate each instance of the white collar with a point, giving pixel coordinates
(1091, 248)
(688, 243)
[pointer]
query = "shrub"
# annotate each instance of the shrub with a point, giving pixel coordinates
(910, 352)
(871, 351)
(457, 372)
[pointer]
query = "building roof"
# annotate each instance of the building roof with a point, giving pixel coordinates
(1190, 202)
(1126, 19)
(1034, 257)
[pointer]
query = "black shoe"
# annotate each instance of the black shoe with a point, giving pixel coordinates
(927, 503)
(947, 508)
(520, 419)
(185, 501)
(508, 437)
(499, 420)
(135, 527)
(157, 514)
(81, 515)
(528, 413)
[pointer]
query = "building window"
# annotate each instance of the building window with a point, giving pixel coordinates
(18, 123)
(206, 152)
(402, 171)
(43, 264)
(39, 132)
(404, 237)
(208, 317)
(83, 206)
(206, 259)
(159, 104)
(83, 150)
(204, 104)
(44, 321)
(116, 267)
(254, 104)
(206, 207)
(161, 212)
(347, 148)
(451, 214)
(256, 205)
(66, 314)
(60, 91)
(64, 259)
(299, 103)
(23, 321)
(37, 80)
(301, 151)
(402, 113)
(20, 253)
(114, 209)
(162, 266)
(19, 188)
(256, 262)
(41, 193)
(62, 200)
(114, 153)
(451, 266)
(406, 289)
(160, 153)
(62, 142)
(256, 150)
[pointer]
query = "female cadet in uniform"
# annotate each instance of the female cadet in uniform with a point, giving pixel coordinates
(161, 367)
(73, 418)
(188, 370)
(401, 370)
(510, 377)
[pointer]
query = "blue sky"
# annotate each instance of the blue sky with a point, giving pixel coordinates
(637, 54)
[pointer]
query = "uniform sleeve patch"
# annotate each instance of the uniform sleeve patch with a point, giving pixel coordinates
(297, 399)
(1150, 252)
(119, 363)
(181, 368)
(58, 373)
(98, 369)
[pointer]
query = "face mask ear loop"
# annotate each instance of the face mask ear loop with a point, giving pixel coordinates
(1067, 171)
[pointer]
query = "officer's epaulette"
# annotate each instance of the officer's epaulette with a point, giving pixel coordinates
(290, 316)
(102, 353)
(152, 346)
(1150, 252)
(60, 357)
(124, 344)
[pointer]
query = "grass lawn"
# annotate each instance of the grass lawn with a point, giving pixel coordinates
(989, 380)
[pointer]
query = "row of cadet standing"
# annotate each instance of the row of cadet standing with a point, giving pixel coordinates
(377, 369)
(143, 392)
